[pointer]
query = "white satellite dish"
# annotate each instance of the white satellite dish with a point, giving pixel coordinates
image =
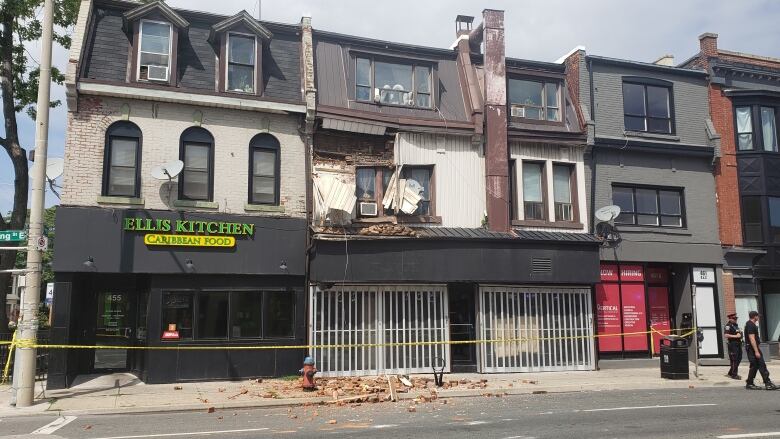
(168, 171)
(608, 213)
(54, 167)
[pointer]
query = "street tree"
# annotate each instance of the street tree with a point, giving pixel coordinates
(20, 25)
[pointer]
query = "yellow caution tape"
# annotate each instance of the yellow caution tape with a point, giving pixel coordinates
(31, 344)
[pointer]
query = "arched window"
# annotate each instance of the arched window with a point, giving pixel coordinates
(196, 150)
(264, 170)
(122, 160)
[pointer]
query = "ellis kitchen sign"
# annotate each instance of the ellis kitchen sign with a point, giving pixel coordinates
(188, 233)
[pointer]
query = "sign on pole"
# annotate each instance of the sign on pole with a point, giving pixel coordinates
(13, 236)
(49, 293)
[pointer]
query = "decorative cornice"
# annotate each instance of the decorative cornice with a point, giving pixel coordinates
(162, 8)
(244, 18)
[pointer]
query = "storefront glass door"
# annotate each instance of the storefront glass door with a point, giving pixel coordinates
(114, 326)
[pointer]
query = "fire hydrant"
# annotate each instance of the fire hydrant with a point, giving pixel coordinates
(308, 372)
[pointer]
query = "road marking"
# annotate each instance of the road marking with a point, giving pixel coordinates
(648, 407)
(738, 436)
(476, 422)
(194, 433)
(384, 426)
(54, 425)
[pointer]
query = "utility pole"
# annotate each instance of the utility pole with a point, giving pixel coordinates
(28, 329)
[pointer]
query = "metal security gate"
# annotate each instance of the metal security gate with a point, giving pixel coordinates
(378, 315)
(550, 329)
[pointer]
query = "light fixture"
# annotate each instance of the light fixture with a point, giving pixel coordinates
(283, 265)
(190, 266)
(89, 263)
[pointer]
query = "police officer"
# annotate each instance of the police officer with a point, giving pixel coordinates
(754, 354)
(734, 337)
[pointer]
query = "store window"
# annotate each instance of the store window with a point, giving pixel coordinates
(264, 170)
(745, 304)
(279, 316)
(228, 314)
(212, 314)
(177, 313)
(245, 314)
(121, 169)
(196, 181)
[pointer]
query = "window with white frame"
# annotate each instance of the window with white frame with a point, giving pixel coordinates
(241, 54)
(564, 209)
(533, 192)
(154, 52)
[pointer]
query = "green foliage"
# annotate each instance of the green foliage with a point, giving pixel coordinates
(25, 17)
(48, 225)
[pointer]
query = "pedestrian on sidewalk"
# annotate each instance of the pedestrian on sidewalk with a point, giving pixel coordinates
(734, 337)
(754, 354)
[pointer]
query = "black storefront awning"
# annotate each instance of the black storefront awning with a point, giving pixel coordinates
(457, 255)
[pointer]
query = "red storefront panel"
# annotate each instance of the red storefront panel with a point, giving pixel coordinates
(659, 313)
(609, 273)
(657, 275)
(608, 317)
(632, 273)
(634, 316)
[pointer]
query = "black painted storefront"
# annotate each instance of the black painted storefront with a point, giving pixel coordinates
(113, 289)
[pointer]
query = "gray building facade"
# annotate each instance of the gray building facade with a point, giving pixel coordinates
(651, 152)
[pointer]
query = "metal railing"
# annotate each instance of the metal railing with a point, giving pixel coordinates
(42, 354)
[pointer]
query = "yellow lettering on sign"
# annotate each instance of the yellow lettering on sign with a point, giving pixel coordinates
(189, 240)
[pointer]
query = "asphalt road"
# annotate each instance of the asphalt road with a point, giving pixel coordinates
(692, 413)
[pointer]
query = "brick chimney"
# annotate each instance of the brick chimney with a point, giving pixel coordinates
(496, 148)
(708, 44)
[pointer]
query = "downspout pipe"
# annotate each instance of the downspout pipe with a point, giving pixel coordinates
(593, 153)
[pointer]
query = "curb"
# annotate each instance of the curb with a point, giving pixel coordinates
(448, 394)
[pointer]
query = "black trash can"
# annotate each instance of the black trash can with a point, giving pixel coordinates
(674, 358)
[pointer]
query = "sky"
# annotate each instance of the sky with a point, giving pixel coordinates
(642, 31)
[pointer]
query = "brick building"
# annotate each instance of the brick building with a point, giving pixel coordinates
(184, 213)
(744, 95)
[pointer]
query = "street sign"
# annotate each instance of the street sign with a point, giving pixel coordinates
(13, 236)
(43, 243)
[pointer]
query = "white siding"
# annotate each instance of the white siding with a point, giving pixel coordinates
(459, 174)
(551, 153)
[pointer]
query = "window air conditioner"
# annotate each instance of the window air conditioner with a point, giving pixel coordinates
(154, 73)
(368, 209)
(518, 111)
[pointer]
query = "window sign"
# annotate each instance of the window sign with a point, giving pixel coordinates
(703, 275)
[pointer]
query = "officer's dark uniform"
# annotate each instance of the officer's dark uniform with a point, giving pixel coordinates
(757, 364)
(735, 348)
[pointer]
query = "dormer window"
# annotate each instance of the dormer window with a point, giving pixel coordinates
(155, 28)
(537, 100)
(388, 83)
(154, 53)
(241, 50)
(241, 40)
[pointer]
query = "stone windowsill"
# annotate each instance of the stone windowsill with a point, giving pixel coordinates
(657, 136)
(263, 208)
(196, 204)
(120, 200)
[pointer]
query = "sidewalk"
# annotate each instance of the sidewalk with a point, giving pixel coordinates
(123, 393)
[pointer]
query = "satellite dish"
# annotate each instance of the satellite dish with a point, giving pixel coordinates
(168, 171)
(608, 213)
(54, 167)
